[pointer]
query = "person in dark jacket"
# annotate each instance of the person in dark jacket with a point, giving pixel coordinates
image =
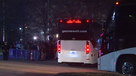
(14, 49)
(45, 48)
(34, 48)
(5, 51)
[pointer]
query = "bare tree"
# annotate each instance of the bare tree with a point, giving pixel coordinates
(42, 12)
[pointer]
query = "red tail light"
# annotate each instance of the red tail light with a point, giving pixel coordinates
(78, 21)
(69, 21)
(87, 47)
(87, 21)
(100, 52)
(117, 3)
(60, 20)
(74, 21)
(59, 47)
(104, 47)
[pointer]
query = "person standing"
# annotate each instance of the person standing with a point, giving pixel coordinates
(44, 50)
(34, 48)
(5, 51)
(14, 49)
(38, 51)
(27, 47)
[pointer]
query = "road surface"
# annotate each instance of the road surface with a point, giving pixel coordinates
(40, 68)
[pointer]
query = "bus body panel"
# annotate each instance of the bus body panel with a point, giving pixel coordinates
(108, 62)
(119, 39)
(74, 51)
(126, 51)
(76, 42)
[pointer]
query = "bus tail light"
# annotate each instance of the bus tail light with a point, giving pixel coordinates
(87, 48)
(92, 20)
(117, 3)
(59, 47)
(74, 21)
(87, 21)
(100, 53)
(104, 47)
(61, 21)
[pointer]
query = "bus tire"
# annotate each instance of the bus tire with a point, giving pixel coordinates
(127, 63)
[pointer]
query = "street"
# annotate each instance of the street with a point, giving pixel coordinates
(40, 68)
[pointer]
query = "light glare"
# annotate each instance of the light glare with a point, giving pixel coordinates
(35, 38)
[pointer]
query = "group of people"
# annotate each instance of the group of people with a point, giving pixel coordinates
(5, 49)
(49, 49)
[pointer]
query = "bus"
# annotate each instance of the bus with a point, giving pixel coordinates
(118, 47)
(75, 43)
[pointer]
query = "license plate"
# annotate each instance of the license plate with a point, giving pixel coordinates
(72, 52)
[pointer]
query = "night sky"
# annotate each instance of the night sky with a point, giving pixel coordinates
(33, 14)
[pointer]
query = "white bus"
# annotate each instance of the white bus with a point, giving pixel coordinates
(75, 43)
(118, 48)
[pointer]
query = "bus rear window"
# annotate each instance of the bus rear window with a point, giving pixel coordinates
(73, 31)
(74, 36)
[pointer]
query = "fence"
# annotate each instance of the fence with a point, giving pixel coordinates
(31, 54)
(23, 54)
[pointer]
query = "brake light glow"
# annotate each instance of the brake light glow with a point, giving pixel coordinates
(100, 52)
(87, 21)
(87, 47)
(78, 21)
(117, 3)
(73, 21)
(59, 47)
(69, 21)
(104, 47)
(60, 20)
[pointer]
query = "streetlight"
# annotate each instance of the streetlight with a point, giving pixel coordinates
(35, 38)
(57, 35)
(21, 33)
(42, 32)
(20, 29)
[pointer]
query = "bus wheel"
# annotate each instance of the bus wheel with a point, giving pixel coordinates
(127, 66)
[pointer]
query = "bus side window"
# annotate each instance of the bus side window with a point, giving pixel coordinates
(98, 43)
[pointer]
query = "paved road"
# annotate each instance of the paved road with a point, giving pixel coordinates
(40, 68)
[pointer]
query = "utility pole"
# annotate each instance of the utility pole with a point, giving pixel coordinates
(4, 21)
(24, 25)
(48, 17)
(48, 20)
